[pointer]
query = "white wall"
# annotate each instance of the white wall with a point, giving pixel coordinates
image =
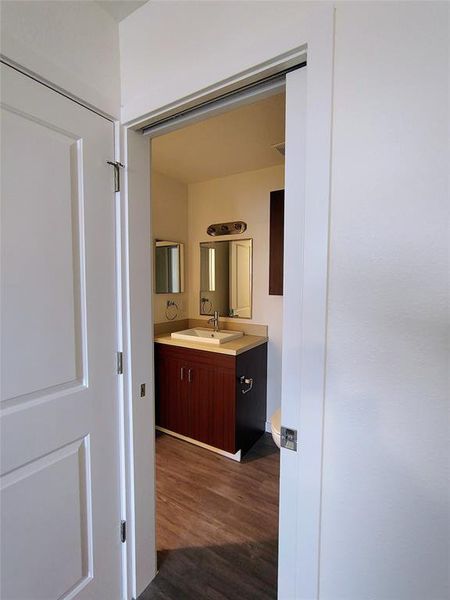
(170, 222)
(208, 42)
(243, 197)
(385, 519)
(385, 513)
(72, 44)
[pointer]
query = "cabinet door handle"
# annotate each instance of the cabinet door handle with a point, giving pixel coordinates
(182, 373)
(246, 381)
(189, 375)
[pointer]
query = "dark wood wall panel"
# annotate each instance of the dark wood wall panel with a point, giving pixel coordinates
(276, 253)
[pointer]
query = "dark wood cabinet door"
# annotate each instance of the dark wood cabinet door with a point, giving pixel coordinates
(212, 406)
(172, 408)
(201, 390)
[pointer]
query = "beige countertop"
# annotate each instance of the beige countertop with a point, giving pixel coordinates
(233, 348)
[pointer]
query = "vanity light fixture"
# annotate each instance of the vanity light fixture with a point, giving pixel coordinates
(226, 228)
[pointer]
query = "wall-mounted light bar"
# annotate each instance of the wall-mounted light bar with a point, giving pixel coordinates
(226, 228)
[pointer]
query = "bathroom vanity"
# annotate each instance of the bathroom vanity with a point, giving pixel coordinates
(212, 395)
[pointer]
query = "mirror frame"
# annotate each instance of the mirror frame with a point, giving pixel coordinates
(162, 243)
(221, 241)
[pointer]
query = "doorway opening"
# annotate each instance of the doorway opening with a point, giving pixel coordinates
(217, 249)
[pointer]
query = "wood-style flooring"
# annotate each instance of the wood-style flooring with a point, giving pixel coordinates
(217, 523)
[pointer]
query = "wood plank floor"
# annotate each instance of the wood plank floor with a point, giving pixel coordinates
(217, 523)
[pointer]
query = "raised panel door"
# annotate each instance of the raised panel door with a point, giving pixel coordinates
(59, 480)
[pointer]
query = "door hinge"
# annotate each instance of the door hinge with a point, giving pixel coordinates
(117, 166)
(123, 531)
(289, 438)
(120, 363)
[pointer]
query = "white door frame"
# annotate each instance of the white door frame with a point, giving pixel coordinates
(300, 502)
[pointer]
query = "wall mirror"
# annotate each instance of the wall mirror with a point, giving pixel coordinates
(226, 278)
(169, 267)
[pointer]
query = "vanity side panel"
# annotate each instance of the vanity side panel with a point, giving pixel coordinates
(251, 407)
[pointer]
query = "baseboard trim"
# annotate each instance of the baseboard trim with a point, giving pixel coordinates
(236, 457)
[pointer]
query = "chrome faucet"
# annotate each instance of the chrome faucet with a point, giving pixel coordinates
(215, 320)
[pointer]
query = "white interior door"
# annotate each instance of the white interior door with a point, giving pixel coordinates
(307, 194)
(60, 506)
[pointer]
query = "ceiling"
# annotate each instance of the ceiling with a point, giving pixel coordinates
(119, 9)
(234, 142)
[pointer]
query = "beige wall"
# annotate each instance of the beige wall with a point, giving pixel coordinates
(243, 197)
(169, 222)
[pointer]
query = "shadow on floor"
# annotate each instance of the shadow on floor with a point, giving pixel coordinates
(263, 448)
(217, 572)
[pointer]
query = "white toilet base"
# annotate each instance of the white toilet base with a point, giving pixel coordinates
(275, 426)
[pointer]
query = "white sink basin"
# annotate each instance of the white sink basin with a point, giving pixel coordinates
(206, 336)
